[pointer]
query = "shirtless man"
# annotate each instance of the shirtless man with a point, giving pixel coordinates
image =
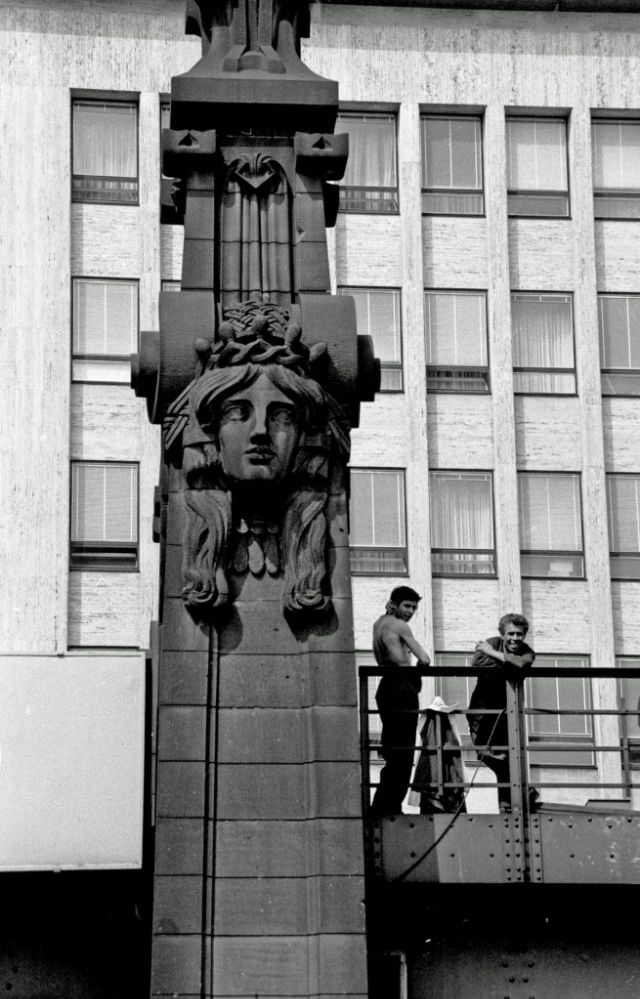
(397, 698)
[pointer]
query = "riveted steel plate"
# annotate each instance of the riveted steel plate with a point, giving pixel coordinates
(433, 848)
(598, 849)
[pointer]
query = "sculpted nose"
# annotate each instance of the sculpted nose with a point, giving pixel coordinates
(259, 426)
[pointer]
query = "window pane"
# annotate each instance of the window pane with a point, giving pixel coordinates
(616, 155)
(537, 157)
(452, 153)
(105, 151)
(105, 317)
(372, 150)
(550, 514)
(456, 328)
(549, 695)
(104, 502)
(461, 510)
(377, 508)
(620, 330)
(542, 341)
(624, 512)
(378, 315)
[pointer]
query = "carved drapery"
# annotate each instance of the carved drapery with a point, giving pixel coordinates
(256, 232)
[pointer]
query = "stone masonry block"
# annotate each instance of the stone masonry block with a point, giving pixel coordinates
(197, 263)
(176, 965)
(312, 265)
(262, 735)
(180, 631)
(289, 849)
(277, 681)
(180, 790)
(177, 904)
(262, 966)
(309, 216)
(182, 732)
(173, 579)
(199, 220)
(183, 678)
(342, 964)
(288, 791)
(250, 906)
(179, 846)
(334, 734)
(337, 904)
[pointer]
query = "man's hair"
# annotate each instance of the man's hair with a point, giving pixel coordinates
(401, 593)
(519, 620)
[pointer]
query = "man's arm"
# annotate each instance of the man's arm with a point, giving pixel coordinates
(485, 648)
(407, 637)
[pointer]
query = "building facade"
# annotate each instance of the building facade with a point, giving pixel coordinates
(490, 234)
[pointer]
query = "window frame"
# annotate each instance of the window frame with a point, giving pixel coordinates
(528, 193)
(459, 369)
(603, 194)
(478, 192)
(107, 99)
(604, 372)
(356, 550)
(552, 553)
(615, 556)
(555, 744)
(122, 563)
(630, 760)
(520, 369)
(437, 550)
(100, 358)
(352, 111)
(389, 366)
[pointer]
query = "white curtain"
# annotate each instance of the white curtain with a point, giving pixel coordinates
(456, 328)
(550, 512)
(372, 150)
(377, 508)
(451, 153)
(542, 331)
(105, 139)
(537, 154)
(461, 510)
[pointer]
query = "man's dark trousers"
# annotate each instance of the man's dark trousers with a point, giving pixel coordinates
(398, 705)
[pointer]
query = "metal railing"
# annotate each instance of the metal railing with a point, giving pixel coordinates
(575, 756)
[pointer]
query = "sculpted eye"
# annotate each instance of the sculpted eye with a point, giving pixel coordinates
(284, 416)
(234, 411)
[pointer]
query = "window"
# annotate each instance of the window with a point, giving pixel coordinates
(378, 314)
(377, 522)
(370, 181)
(462, 537)
(550, 525)
(543, 353)
(616, 169)
(105, 151)
(623, 494)
(452, 165)
(629, 700)
(456, 326)
(537, 167)
(105, 328)
(567, 738)
(456, 690)
(620, 343)
(104, 515)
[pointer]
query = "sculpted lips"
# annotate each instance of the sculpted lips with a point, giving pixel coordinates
(260, 455)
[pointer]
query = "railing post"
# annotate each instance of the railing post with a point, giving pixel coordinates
(518, 776)
(363, 702)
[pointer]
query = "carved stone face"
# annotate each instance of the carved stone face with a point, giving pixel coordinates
(258, 431)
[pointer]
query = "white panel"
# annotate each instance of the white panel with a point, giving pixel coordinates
(548, 433)
(71, 762)
(559, 615)
(460, 429)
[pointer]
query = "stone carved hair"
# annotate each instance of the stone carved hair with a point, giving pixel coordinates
(236, 361)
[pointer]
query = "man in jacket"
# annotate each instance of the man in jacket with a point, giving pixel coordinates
(507, 653)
